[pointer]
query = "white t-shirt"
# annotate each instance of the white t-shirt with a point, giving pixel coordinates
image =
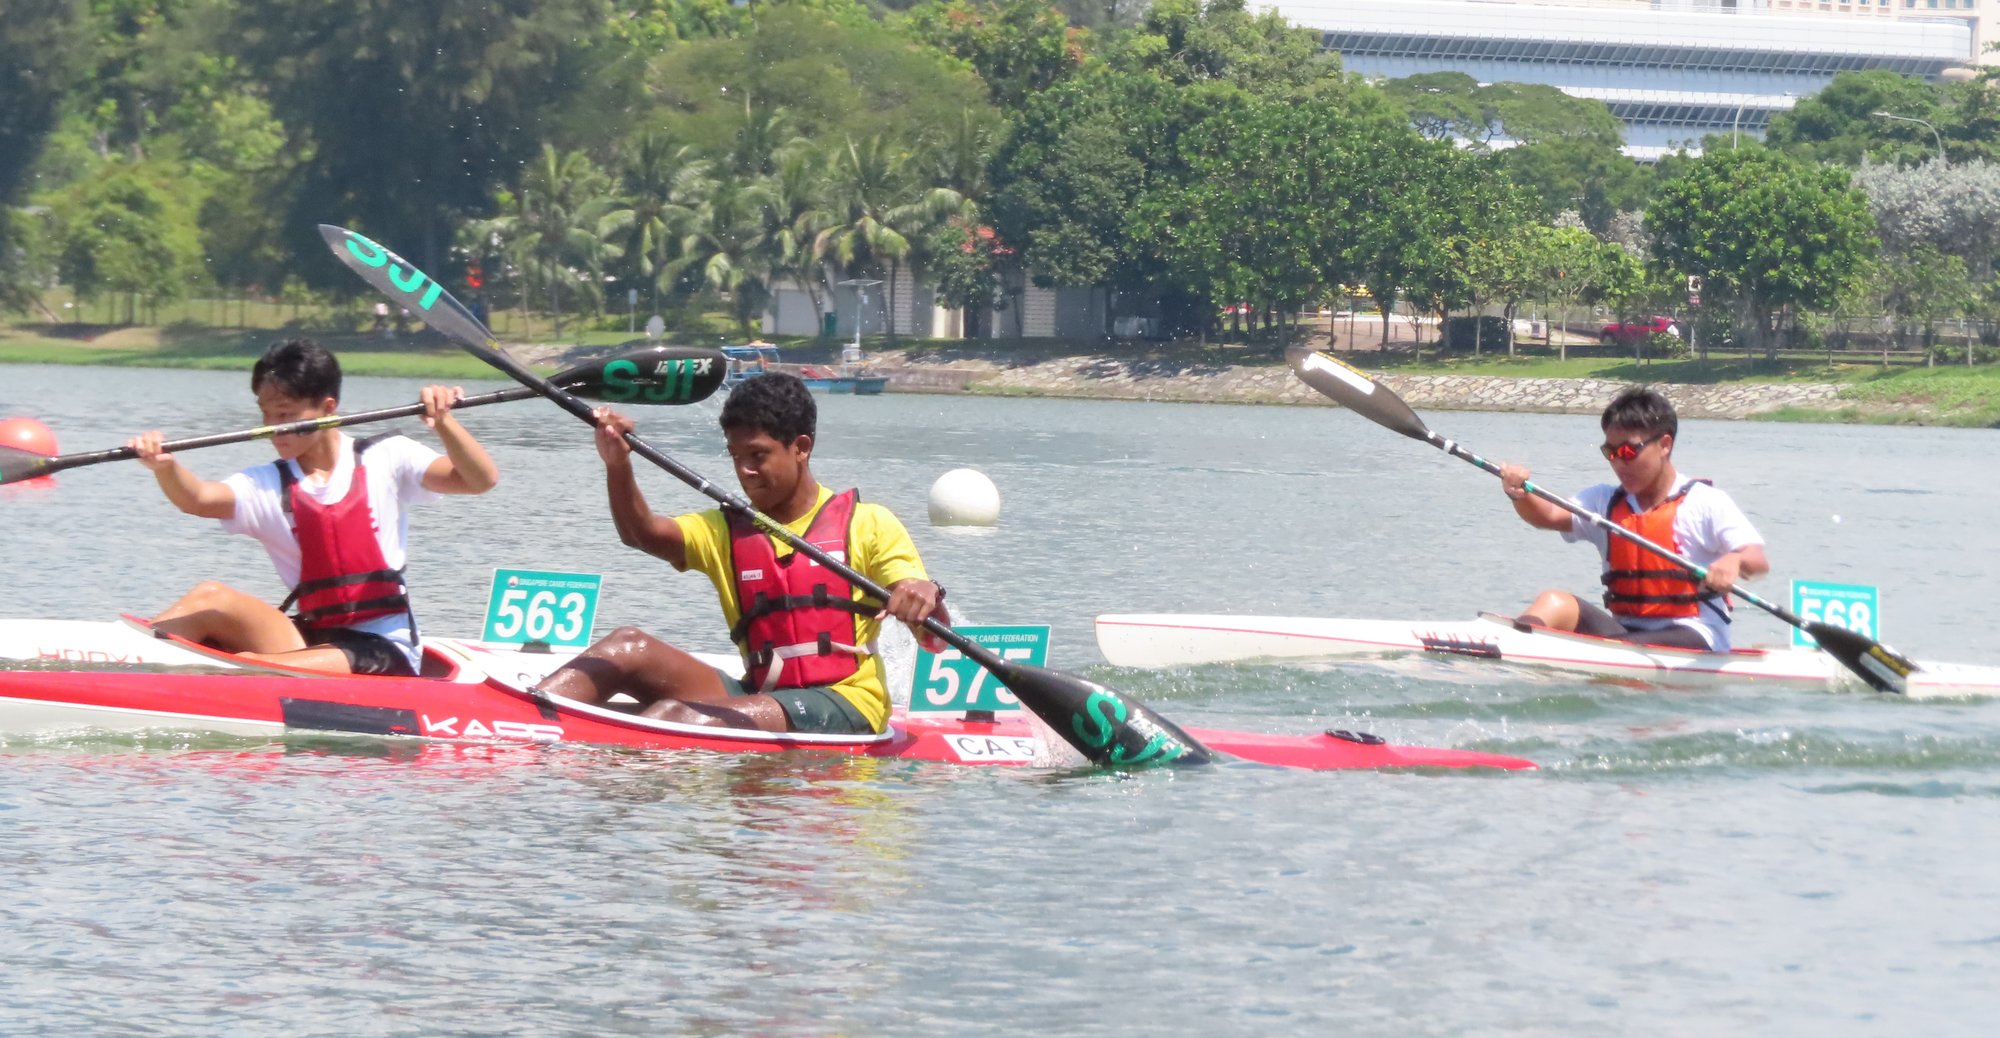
(1707, 527)
(395, 469)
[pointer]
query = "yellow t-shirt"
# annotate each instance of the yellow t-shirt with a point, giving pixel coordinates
(879, 548)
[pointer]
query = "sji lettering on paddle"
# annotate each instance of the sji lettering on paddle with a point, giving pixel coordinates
(375, 255)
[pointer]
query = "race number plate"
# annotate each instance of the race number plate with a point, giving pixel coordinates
(948, 682)
(556, 609)
(1853, 607)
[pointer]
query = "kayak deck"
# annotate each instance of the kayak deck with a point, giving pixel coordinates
(1170, 639)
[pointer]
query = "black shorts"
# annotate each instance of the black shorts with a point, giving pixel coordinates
(1595, 620)
(366, 653)
(818, 710)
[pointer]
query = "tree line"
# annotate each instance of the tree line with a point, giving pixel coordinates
(1180, 157)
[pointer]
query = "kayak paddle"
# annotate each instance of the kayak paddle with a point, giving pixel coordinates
(1105, 726)
(646, 375)
(1884, 669)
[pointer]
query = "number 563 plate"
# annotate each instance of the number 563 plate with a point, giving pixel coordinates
(556, 609)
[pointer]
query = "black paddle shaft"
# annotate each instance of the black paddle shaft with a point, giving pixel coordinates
(38, 466)
(646, 374)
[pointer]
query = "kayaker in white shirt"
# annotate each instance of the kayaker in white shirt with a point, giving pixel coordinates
(339, 542)
(1648, 599)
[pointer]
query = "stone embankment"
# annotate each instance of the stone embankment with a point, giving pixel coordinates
(1204, 381)
(1112, 378)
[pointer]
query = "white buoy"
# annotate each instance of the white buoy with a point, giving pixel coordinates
(964, 497)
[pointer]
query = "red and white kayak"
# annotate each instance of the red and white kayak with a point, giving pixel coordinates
(1179, 640)
(469, 692)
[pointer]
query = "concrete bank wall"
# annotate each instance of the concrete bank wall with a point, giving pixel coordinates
(1113, 378)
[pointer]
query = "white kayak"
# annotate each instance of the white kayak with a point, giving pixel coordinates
(1183, 639)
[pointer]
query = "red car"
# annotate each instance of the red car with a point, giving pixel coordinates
(1633, 331)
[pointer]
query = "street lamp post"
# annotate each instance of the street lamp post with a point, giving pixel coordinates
(1939, 138)
(851, 356)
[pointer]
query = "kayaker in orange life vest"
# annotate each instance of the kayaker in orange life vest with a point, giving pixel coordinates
(331, 514)
(809, 649)
(1648, 599)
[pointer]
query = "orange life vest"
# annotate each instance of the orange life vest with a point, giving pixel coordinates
(1638, 582)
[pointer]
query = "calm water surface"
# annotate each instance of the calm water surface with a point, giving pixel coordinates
(1735, 861)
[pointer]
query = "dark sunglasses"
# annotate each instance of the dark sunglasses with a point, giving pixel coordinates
(1628, 450)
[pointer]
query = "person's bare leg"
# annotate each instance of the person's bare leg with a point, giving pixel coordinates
(760, 712)
(217, 614)
(1556, 609)
(631, 661)
(317, 657)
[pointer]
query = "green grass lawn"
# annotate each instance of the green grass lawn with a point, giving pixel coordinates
(1870, 393)
(229, 349)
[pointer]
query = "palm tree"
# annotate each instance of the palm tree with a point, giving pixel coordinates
(551, 223)
(795, 214)
(659, 190)
(725, 249)
(762, 140)
(878, 209)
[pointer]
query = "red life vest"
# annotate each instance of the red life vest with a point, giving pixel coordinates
(343, 578)
(1641, 583)
(799, 622)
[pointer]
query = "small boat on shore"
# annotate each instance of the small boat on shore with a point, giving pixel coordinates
(1180, 640)
(757, 358)
(71, 677)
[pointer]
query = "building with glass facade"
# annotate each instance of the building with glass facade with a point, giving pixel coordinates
(1674, 70)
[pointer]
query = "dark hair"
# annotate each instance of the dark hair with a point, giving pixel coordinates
(774, 403)
(299, 368)
(1644, 409)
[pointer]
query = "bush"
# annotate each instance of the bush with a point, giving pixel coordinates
(1494, 333)
(1662, 346)
(1945, 355)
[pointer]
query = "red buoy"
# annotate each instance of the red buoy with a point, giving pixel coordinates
(29, 435)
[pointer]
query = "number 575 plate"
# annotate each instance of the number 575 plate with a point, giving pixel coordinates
(947, 681)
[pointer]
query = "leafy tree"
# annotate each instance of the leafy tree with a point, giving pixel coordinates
(966, 266)
(131, 230)
(1444, 106)
(39, 49)
(1065, 180)
(1575, 267)
(1398, 245)
(1764, 231)
(1952, 209)
(1590, 176)
(407, 115)
(833, 79)
(652, 25)
(1241, 225)
(1839, 124)
(1922, 286)
(1018, 47)
(1187, 42)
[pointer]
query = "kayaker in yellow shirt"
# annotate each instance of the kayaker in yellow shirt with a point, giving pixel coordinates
(808, 643)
